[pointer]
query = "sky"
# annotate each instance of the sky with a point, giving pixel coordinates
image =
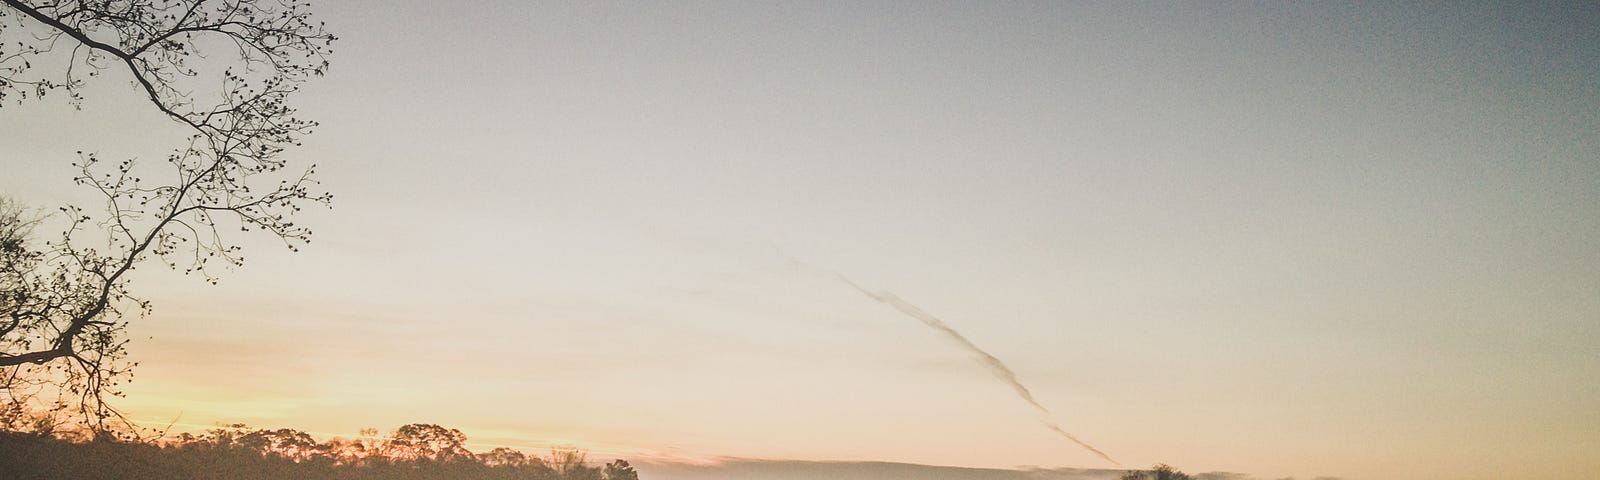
(1281, 239)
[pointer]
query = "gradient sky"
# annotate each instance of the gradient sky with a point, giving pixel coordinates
(1280, 239)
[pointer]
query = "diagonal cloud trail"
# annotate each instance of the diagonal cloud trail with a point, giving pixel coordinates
(995, 366)
(1081, 443)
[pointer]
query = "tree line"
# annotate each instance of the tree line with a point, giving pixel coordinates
(33, 447)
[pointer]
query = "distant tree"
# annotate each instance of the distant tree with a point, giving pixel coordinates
(237, 452)
(222, 437)
(572, 464)
(284, 442)
(506, 457)
(620, 470)
(222, 70)
(1160, 471)
(426, 442)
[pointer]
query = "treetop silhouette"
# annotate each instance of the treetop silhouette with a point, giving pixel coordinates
(225, 71)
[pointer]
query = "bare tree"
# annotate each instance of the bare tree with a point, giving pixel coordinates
(222, 69)
(572, 464)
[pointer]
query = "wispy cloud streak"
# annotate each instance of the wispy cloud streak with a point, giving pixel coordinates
(995, 366)
(1057, 428)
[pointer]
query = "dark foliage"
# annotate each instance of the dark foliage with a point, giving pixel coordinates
(417, 451)
(1160, 471)
(224, 72)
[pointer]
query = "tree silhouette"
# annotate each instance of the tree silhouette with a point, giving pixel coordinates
(223, 70)
(620, 470)
(506, 457)
(571, 463)
(426, 442)
(284, 442)
(237, 452)
(1160, 471)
